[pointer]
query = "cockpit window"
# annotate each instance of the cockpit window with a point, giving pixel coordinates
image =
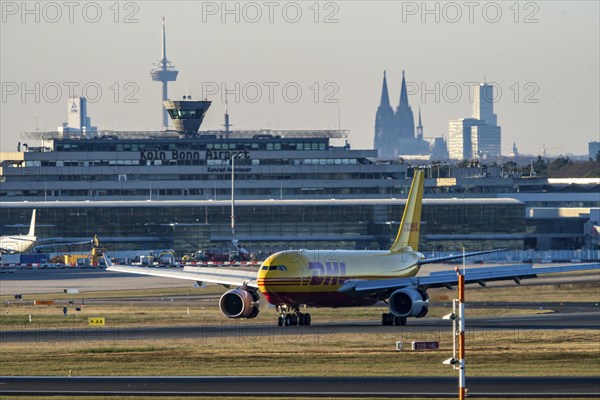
(265, 268)
(276, 268)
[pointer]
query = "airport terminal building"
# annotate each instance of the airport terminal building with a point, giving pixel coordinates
(172, 189)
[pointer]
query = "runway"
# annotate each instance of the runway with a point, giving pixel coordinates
(511, 326)
(30, 281)
(271, 386)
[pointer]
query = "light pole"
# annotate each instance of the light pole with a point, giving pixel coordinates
(233, 239)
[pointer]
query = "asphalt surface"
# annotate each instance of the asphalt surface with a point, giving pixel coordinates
(269, 386)
(28, 281)
(572, 315)
(511, 326)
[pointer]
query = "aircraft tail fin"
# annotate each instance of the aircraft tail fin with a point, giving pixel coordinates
(32, 226)
(408, 233)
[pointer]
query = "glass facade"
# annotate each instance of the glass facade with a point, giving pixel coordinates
(263, 226)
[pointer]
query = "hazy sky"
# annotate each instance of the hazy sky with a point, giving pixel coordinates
(307, 65)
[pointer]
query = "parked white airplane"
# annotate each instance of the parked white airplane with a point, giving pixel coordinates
(19, 243)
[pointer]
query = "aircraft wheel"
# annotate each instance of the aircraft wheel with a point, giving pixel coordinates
(288, 320)
(307, 319)
(300, 318)
(280, 321)
(399, 321)
(386, 320)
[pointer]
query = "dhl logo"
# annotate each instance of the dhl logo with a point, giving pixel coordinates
(328, 274)
(412, 227)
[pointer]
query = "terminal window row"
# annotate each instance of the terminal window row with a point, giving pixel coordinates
(146, 146)
(274, 161)
(338, 177)
(179, 194)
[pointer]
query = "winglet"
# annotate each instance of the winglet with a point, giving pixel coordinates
(32, 225)
(408, 233)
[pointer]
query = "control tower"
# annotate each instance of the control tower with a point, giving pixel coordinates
(187, 114)
(164, 71)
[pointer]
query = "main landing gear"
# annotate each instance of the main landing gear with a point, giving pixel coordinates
(289, 315)
(389, 319)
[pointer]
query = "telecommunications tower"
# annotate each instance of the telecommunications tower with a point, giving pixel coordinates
(164, 71)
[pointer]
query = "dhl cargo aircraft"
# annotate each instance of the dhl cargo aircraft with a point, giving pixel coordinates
(346, 278)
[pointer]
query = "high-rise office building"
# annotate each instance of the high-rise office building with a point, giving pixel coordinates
(483, 104)
(460, 146)
(594, 150)
(485, 141)
(480, 136)
(77, 119)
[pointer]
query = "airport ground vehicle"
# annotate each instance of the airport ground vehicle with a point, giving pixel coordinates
(219, 255)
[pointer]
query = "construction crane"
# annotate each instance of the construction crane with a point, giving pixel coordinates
(544, 150)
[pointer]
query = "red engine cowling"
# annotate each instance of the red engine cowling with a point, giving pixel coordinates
(409, 303)
(239, 303)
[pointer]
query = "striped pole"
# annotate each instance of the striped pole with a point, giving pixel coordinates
(461, 330)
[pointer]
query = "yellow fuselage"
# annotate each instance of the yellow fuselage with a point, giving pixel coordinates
(313, 277)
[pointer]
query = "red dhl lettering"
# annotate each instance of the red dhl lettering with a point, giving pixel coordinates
(328, 274)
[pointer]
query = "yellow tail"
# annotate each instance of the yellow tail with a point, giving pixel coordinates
(408, 233)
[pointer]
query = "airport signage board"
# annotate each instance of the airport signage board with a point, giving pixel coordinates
(425, 345)
(43, 302)
(168, 155)
(96, 321)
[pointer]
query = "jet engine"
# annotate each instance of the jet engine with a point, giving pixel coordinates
(409, 303)
(239, 303)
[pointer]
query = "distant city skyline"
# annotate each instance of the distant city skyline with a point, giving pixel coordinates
(308, 75)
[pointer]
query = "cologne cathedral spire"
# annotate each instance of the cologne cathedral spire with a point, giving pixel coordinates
(420, 127)
(404, 114)
(385, 124)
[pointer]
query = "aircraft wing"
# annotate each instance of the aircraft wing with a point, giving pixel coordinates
(221, 276)
(449, 278)
(41, 246)
(456, 256)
